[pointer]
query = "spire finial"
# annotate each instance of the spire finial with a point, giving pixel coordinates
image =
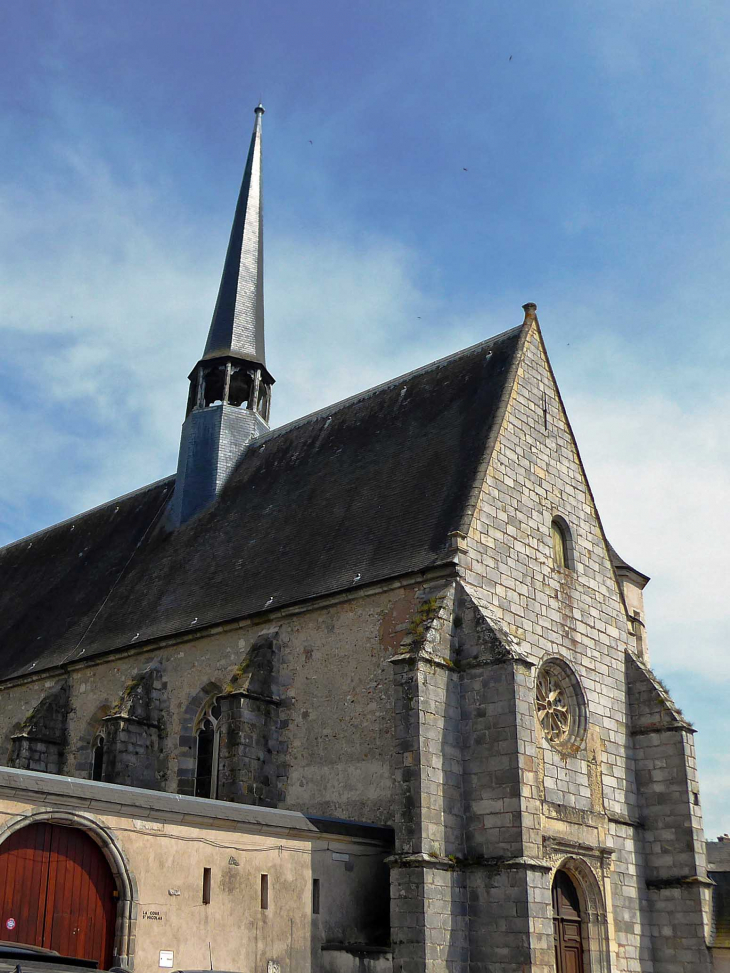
(530, 310)
(237, 328)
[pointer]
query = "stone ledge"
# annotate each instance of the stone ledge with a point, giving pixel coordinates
(662, 728)
(573, 815)
(615, 818)
(563, 845)
(122, 718)
(47, 741)
(678, 882)
(422, 860)
(423, 656)
(466, 665)
(357, 949)
(245, 694)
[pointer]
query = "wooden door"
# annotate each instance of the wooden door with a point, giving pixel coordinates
(567, 926)
(58, 888)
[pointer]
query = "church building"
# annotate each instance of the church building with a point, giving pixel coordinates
(366, 692)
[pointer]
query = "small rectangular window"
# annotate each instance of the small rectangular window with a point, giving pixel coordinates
(315, 896)
(206, 886)
(264, 891)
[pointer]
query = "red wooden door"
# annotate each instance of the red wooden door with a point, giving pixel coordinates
(567, 926)
(58, 888)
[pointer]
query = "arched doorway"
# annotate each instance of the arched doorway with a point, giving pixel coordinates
(57, 888)
(567, 925)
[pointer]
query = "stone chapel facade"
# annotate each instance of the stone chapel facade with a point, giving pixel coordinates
(403, 611)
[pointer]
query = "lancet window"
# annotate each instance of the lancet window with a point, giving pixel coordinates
(207, 744)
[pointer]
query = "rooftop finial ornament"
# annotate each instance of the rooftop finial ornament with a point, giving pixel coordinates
(259, 109)
(530, 314)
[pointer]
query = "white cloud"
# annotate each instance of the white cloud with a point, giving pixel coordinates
(106, 308)
(660, 472)
(715, 789)
(105, 305)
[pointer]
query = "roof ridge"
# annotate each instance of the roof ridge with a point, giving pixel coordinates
(280, 430)
(366, 393)
(85, 513)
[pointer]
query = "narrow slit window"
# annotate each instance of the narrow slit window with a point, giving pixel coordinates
(97, 765)
(264, 891)
(315, 896)
(206, 886)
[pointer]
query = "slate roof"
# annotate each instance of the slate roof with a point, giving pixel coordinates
(721, 910)
(718, 855)
(718, 866)
(366, 490)
(623, 566)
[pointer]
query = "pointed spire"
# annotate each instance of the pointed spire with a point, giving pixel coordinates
(237, 328)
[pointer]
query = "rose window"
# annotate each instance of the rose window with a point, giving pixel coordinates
(552, 708)
(560, 705)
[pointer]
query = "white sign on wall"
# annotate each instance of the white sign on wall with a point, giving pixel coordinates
(166, 957)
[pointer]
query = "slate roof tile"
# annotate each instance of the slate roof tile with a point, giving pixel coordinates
(366, 490)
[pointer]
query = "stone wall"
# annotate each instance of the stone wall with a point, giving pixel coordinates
(590, 802)
(335, 718)
(158, 847)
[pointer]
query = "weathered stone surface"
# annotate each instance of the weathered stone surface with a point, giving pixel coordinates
(40, 740)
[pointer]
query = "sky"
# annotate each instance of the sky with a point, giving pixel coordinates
(428, 169)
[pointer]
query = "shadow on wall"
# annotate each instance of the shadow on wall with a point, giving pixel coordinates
(350, 913)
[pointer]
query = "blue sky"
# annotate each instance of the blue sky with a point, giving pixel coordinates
(429, 168)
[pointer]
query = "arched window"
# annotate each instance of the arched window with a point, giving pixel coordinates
(206, 758)
(214, 387)
(239, 390)
(97, 757)
(562, 553)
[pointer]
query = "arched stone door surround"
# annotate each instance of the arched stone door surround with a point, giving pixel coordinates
(124, 937)
(596, 948)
